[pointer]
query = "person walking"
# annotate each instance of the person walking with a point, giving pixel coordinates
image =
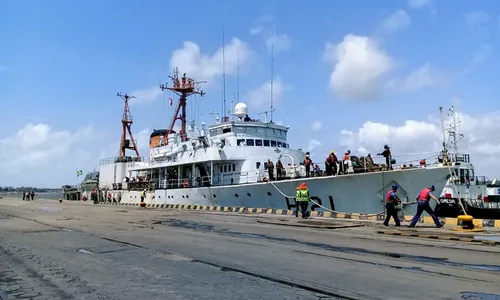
(423, 205)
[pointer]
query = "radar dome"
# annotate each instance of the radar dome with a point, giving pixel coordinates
(241, 110)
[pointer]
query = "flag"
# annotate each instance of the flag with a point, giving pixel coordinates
(171, 101)
(79, 173)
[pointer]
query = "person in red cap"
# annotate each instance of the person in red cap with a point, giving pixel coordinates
(302, 200)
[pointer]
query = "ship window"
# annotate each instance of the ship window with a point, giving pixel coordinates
(462, 176)
(467, 174)
(250, 142)
(472, 175)
(240, 141)
(223, 142)
(225, 168)
(226, 130)
(283, 145)
(234, 167)
(257, 165)
(273, 143)
(220, 169)
(258, 142)
(266, 143)
(239, 129)
(279, 144)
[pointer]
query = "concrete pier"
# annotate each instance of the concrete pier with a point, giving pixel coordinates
(51, 250)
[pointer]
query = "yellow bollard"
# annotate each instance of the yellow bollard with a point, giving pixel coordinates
(467, 224)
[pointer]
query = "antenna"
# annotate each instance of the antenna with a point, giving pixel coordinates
(183, 88)
(126, 127)
(223, 76)
(443, 128)
(272, 72)
(454, 129)
(238, 78)
(265, 113)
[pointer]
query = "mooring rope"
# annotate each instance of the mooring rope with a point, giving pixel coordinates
(325, 208)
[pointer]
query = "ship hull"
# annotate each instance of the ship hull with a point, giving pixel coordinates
(357, 193)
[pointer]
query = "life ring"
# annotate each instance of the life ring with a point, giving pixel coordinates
(185, 183)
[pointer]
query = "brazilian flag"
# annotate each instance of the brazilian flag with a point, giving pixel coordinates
(79, 173)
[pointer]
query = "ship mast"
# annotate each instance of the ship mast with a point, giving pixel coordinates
(126, 127)
(454, 129)
(183, 88)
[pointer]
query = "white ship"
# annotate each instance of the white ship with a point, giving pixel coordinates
(225, 164)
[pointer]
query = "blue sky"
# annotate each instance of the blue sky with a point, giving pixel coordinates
(62, 63)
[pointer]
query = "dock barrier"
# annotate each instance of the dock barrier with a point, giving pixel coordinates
(272, 211)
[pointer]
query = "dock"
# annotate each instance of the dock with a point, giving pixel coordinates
(52, 250)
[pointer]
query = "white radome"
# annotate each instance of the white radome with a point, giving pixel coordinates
(241, 110)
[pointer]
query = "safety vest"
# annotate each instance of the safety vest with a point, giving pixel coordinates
(302, 195)
(388, 198)
(424, 194)
(143, 194)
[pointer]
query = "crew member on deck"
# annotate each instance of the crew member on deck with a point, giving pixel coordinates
(331, 164)
(143, 195)
(423, 205)
(307, 164)
(270, 169)
(391, 200)
(388, 156)
(279, 170)
(302, 201)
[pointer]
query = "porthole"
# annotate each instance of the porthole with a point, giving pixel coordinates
(187, 196)
(182, 196)
(236, 195)
(269, 193)
(215, 196)
(204, 196)
(249, 195)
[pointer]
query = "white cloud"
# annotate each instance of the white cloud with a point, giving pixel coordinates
(316, 125)
(425, 76)
(261, 96)
(146, 95)
(483, 52)
(200, 66)
(476, 18)
(313, 144)
(359, 67)
(40, 154)
(282, 42)
(260, 24)
(419, 3)
(414, 140)
(395, 22)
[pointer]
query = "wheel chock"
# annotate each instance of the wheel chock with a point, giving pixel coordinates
(467, 224)
(143, 204)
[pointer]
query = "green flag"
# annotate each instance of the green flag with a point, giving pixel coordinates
(79, 172)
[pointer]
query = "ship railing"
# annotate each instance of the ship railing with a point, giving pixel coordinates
(183, 182)
(141, 185)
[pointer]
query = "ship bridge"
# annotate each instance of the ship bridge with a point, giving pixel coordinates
(233, 151)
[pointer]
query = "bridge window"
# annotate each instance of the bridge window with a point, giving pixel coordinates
(225, 168)
(234, 167)
(258, 142)
(273, 143)
(257, 165)
(220, 169)
(266, 143)
(279, 144)
(226, 130)
(473, 176)
(240, 142)
(250, 142)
